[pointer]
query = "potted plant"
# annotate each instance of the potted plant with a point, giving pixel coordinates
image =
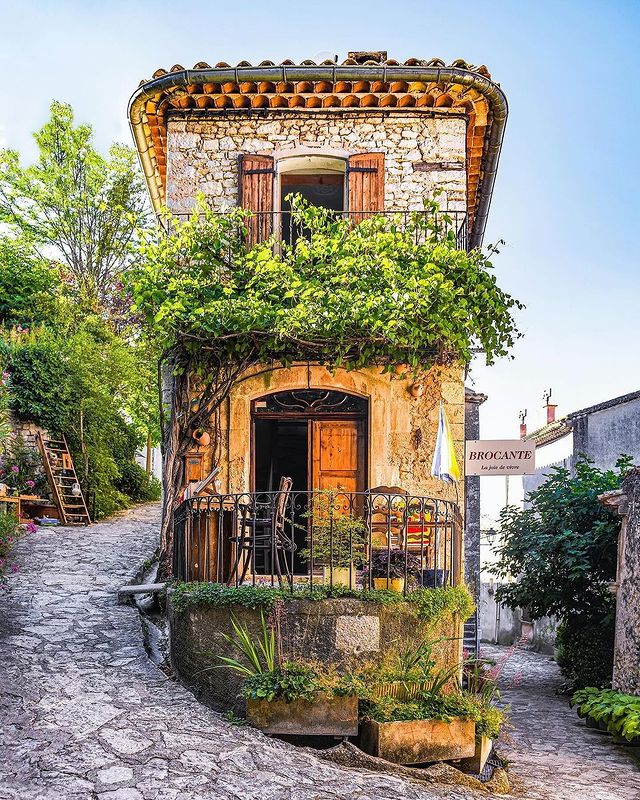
(389, 567)
(293, 697)
(337, 539)
(430, 728)
(410, 671)
(483, 687)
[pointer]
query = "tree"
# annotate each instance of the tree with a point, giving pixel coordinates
(29, 286)
(562, 548)
(76, 206)
(377, 293)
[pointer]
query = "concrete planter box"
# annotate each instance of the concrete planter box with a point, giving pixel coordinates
(476, 763)
(326, 716)
(419, 741)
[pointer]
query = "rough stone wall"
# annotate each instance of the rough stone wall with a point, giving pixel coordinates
(343, 633)
(473, 401)
(28, 431)
(626, 659)
(402, 428)
(202, 152)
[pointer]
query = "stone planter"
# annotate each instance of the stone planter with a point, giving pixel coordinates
(476, 763)
(327, 715)
(419, 741)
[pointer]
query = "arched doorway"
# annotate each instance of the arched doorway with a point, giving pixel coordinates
(318, 437)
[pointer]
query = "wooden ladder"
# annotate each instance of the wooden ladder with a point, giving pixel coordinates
(62, 477)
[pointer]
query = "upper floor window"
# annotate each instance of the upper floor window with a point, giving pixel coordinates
(353, 185)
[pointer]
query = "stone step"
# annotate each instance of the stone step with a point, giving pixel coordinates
(126, 593)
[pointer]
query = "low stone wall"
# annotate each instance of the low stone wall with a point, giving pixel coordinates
(339, 632)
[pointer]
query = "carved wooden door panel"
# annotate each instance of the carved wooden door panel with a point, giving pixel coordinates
(338, 455)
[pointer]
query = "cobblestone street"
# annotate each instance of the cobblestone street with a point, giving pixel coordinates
(552, 753)
(85, 715)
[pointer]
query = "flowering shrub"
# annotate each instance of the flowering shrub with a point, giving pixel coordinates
(21, 469)
(10, 530)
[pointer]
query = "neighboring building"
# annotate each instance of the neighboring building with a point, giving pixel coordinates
(367, 136)
(602, 433)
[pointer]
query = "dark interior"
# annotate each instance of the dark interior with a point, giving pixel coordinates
(282, 450)
(326, 191)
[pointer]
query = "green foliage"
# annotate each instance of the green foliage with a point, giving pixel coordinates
(298, 680)
(77, 205)
(10, 531)
(259, 653)
(338, 297)
(80, 378)
(585, 649)
(135, 483)
(21, 468)
(563, 548)
(619, 712)
(29, 286)
(442, 707)
(339, 539)
(427, 604)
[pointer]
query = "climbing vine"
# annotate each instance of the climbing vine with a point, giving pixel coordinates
(347, 296)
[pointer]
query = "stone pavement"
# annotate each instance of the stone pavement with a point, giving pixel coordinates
(84, 715)
(551, 751)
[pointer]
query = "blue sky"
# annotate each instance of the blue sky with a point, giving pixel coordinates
(566, 197)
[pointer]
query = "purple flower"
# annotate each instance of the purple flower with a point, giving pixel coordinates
(31, 527)
(15, 469)
(14, 567)
(30, 484)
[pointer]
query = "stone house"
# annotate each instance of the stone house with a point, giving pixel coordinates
(370, 135)
(602, 432)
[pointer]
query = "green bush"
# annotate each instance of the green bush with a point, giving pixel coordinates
(585, 650)
(135, 483)
(10, 530)
(619, 712)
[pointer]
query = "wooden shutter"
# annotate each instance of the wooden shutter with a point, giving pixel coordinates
(366, 184)
(256, 194)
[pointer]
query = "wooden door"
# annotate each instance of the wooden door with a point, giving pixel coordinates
(338, 455)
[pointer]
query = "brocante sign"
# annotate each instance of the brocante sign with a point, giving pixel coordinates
(500, 457)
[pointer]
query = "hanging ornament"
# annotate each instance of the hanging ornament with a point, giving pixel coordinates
(202, 437)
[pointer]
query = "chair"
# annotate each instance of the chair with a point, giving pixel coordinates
(262, 529)
(388, 523)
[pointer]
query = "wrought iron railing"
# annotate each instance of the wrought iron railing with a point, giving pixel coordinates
(367, 540)
(286, 225)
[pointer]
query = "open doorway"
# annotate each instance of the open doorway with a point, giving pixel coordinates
(319, 179)
(316, 437)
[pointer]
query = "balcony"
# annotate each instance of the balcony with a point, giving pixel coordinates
(286, 227)
(362, 540)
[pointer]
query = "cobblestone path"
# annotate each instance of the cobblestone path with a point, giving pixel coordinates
(85, 715)
(552, 753)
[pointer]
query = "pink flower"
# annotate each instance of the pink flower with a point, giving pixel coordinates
(30, 484)
(15, 469)
(14, 567)
(31, 527)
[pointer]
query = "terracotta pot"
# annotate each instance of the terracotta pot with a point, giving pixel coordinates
(202, 437)
(393, 584)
